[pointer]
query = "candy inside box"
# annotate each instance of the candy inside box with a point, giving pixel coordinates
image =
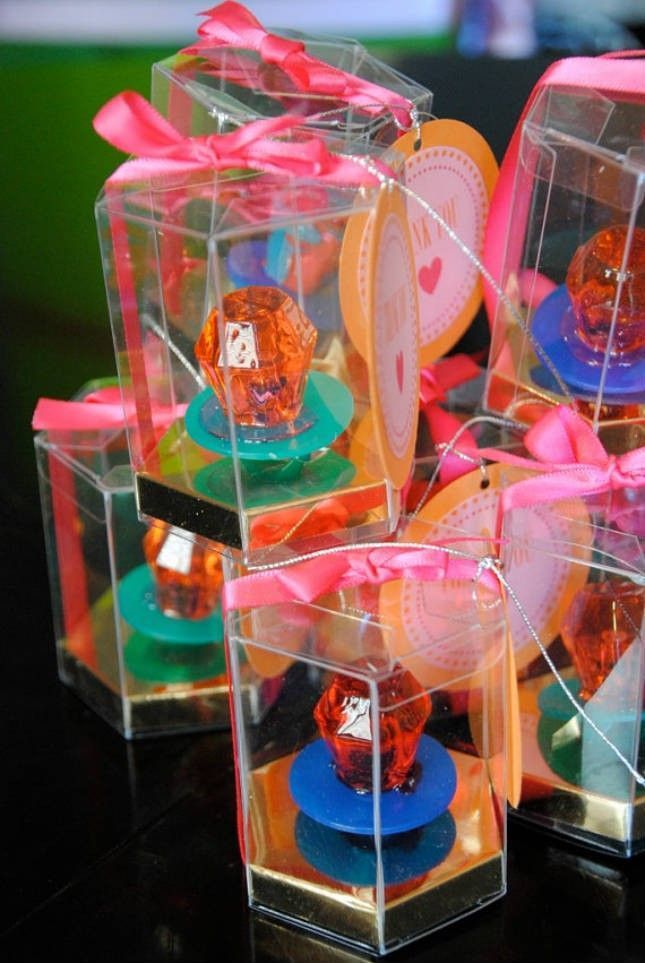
(136, 606)
(583, 762)
(372, 795)
(272, 402)
(575, 267)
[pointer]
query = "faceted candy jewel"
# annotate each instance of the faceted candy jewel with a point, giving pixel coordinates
(269, 346)
(603, 620)
(592, 282)
(343, 716)
(187, 576)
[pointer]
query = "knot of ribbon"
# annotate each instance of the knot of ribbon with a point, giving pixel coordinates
(335, 570)
(284, 53)
(231, 24)
(572, 459)
(100, 410)
(131, 124)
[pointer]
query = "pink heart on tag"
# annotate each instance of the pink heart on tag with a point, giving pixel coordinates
(429, 275)
(399, 370)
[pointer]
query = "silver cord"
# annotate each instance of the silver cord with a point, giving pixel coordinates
(448, 448)
(150, 323)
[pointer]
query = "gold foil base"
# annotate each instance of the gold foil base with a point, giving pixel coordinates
(138, 708)
(283, 884)
(161, 710)
(548, 800)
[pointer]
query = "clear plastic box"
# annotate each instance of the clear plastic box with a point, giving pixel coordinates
(574, 267)
(299, 418)
(136, 608)
(399, 687)
(228, 86)
(574, 781)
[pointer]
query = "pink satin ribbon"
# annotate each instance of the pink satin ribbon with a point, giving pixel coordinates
(436, 380)
(617, 73)
(231, 24)
(131, 124)
(98, 411)
(337, 570)
(571, 459)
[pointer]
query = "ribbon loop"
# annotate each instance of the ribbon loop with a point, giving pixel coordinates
(131, 124)
(309, 577)
(563, 437)
(231, 24)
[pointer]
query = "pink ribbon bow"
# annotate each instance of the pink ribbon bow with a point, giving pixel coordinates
(436, 380)
(231, 24)
(131, 124)
(573, 460)
(98, 411)
(336, 570)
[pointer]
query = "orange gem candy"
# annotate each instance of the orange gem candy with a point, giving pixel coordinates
(269, 344)
(343, 716)
(592, 282)
(188, 577)
(602, 622)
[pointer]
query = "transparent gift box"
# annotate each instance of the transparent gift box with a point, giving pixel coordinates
(371, 802)
(136, 607)
(228, 295)
(582, 708)
(220, 87)
(574, 267)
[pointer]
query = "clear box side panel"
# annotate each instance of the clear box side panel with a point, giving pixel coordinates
(296, 386)
(153, 246)
(372, 795)
(582, 731)
(81, 584)
(243, 359)
(168, 611)
(43, 462)
(574, 268)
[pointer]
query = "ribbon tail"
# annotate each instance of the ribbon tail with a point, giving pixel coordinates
(131, 124)
(303, 582)
(563, 436)
(51, 414)
(443, 427)
(453, 371)
(231, 23)
(554, 487)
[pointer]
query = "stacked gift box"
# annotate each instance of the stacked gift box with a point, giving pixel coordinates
(426, 613)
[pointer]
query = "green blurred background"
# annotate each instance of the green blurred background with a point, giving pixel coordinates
(56, 330)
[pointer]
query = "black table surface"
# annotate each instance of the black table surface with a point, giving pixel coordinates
(124, 852)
